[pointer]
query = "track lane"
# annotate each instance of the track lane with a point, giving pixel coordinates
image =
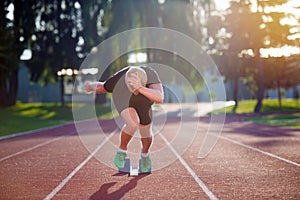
(230, 171)
(35, 173)
(38, 169)
(65, 181)
(24, 142)
(235, 172)
(172, 182)
(279, 141)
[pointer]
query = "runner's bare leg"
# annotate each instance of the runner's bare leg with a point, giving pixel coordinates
(131, 120)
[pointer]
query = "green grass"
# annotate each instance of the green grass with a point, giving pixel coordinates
(269, 105)
(273, 114)
(25, 117)
(292, 120)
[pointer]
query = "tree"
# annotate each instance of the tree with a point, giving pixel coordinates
(293, 66)
(54, 40)
(8, 62)
(274, 35)
(250, 32)
(50, 30)
(116, 16)
(275, 70)
(236, 24)
(14, 35)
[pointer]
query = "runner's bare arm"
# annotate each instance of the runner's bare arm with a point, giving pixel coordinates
(154, 92)
(98, 87)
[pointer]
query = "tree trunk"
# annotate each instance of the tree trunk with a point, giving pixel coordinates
(260, 93)
(296, 95)
(9, 89)
(235, 93)
(3, 94)
(62, 91)
(279, 94)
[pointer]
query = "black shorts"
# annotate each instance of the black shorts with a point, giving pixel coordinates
(140, 103)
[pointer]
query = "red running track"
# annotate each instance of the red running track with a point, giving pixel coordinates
(249, 161)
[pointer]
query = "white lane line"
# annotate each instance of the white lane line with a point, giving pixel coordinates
(64, 182)
(260, 151)
(34, 147)
(189, 169)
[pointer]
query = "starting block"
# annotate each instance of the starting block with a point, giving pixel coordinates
(126, 168)
(133, 171)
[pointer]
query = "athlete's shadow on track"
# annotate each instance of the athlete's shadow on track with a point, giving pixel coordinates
(102, 193)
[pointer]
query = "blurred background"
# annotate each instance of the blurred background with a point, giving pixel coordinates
(254, 43)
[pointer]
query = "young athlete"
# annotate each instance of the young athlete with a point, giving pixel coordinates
(134, 89)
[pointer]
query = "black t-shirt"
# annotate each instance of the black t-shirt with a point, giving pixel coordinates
(110, 83)
(122, 97)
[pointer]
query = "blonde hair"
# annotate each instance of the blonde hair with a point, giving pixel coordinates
(140, 72)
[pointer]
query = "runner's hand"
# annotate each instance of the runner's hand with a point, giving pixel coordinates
(133, 83)
(90, 86)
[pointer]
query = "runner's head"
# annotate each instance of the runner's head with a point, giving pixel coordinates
(140, 73)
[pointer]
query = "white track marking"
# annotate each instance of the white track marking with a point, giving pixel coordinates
(34, 147)
(189, 169)
(64, 182)
(260, 151)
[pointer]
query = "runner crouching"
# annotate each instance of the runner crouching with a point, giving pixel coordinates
(134, 90)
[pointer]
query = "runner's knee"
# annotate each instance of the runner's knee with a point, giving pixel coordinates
(130, 128)
(146, 131)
